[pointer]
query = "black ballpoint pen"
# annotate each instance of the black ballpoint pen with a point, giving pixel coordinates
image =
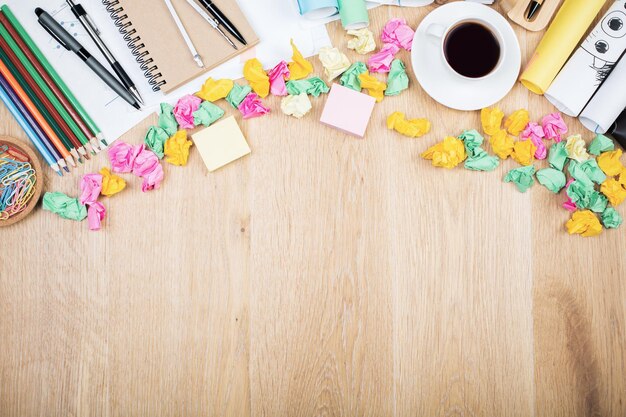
(534, 7)
(223, 20)
(68, 42)
(82, 16)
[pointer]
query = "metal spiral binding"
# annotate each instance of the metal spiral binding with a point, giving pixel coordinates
(133, 40)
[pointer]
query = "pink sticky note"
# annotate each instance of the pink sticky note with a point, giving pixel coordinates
(348, 110)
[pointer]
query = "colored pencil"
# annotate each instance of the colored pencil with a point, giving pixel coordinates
(34, 109)
(32, 60)
(53, 73)
(42, 97)
(31, 75)
(21, 82)
(31, 121)
(29, 130)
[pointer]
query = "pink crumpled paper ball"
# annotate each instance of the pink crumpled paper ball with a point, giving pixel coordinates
(397, 32)
(184, 110)
(122, 156)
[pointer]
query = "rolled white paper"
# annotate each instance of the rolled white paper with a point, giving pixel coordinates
(608, 102)
(591, 64)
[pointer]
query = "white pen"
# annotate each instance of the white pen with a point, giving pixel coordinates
(214, 23)
(183, 31)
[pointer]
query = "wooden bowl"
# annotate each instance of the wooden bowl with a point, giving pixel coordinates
(34, 161)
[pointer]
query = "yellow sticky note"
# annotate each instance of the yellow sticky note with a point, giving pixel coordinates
(221, 143)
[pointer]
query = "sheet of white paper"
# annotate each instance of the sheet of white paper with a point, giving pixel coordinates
(112, 114)
(308, 23)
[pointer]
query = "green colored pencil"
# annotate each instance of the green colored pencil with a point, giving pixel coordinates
(84, 140)
(42, 109)
(54, 74)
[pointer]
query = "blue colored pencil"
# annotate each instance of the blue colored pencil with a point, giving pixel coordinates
(29, 130)
(44, 139)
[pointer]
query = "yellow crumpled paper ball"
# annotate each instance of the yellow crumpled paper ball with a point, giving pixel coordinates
(622, 177)
(334, 61)
(524, 152)
(491, 119)
(213, 90)
(363, 42)
(584, 223)
(299, 67)
(517, 122)
(296, 105)
(446, 154)
(111, 183)
(413, 128)
(502, 144)
(374, 87)
(576, 148)
(610, 164)
(254, 73)
(614, 191)
(177, 148)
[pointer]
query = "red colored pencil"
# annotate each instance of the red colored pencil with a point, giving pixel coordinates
(19, 91)
(42, 97)
(46, 77)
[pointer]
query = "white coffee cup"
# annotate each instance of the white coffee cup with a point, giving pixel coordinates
(439, 33)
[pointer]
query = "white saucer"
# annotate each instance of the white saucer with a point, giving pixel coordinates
(445, 86)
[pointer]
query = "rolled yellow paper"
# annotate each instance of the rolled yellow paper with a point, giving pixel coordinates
(562, 37)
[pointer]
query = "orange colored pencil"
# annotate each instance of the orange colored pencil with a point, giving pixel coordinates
(34, 111)
(47, 103)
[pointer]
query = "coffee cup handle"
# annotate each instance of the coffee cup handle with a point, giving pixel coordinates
(435, 31)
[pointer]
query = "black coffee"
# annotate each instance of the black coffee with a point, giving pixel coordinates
(472, 49)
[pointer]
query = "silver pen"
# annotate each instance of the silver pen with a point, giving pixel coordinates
(181, 28)
(93, 31)
(211, 21)
(68, 41)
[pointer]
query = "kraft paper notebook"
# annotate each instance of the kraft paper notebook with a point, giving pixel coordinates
(159, 47)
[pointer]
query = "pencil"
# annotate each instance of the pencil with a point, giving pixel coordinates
(31, 75)
(42, 97)
(31, 121)
(29, 130)
(32, 60)
(14, 75)
(45, 125)
(53, 73)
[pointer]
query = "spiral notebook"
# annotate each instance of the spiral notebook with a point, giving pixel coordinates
(112, 114)
(159, 48)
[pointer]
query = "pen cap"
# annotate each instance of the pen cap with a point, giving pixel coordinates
(54, 28)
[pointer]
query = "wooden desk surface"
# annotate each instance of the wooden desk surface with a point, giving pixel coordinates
(321, 276)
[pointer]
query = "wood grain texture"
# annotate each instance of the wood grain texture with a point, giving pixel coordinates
(321, 276)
